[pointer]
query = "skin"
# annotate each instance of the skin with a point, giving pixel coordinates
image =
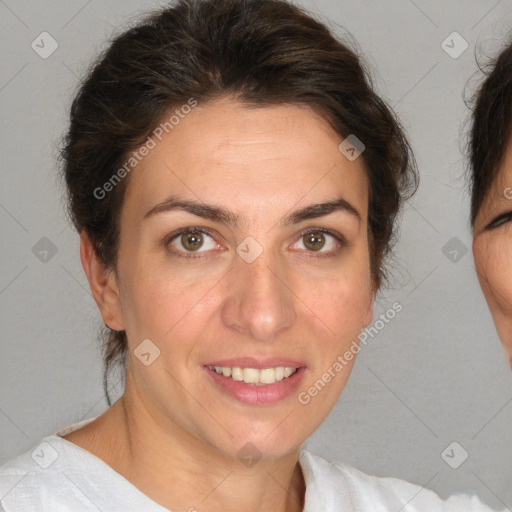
(492, 250)
(172, 423)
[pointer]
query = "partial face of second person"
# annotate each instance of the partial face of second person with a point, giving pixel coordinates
(183, 285)
(492, 249)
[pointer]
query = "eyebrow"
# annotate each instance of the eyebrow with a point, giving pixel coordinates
(224, 216)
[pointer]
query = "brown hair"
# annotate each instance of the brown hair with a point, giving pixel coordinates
(491, 127)
(264, 52)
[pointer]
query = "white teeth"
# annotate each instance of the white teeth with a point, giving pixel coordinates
(237, 373)
(267, 376)
(288, 371)
(251, 375)
(254, 375)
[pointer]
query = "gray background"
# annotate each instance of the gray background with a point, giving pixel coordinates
(434, 375)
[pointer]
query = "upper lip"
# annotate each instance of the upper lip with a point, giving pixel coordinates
(260, 364)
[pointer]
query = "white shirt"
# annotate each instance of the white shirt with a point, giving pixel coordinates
(59, 476)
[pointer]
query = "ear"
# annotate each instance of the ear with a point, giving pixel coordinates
(103, 282)
(369, 313)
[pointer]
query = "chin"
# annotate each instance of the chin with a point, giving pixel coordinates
(505, 335)
(260, 444)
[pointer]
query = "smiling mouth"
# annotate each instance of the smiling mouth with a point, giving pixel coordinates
(255, 376)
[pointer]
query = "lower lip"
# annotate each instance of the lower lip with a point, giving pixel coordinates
(254, 394)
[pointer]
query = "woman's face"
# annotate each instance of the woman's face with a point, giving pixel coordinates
(492, 250)
(232, 281)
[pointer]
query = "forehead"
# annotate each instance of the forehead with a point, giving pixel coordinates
(504, 176)
(501, 187)
(228, 150)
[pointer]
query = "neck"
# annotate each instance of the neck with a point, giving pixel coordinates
(181, 472)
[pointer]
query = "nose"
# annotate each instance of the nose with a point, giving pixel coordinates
(260, 302)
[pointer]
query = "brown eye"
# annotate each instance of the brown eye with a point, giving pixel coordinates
(324, 242)
(192, 241)
(314, 241)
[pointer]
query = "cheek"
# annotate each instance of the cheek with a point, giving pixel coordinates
(346, 300)
(493, 261)
(341, 305)
(153, 299)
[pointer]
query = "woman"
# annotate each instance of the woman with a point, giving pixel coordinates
(491, 192)
(235, 182)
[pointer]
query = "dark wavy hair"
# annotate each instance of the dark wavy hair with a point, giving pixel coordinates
(491, 126)
(261, 52)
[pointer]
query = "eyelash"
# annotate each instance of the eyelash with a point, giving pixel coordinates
(500, 220)
(190, 254)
